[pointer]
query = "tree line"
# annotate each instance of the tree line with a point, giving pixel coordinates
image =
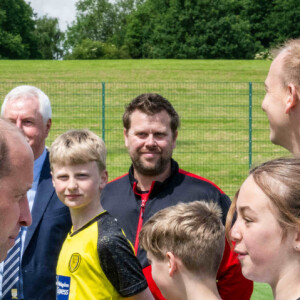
(181, 29)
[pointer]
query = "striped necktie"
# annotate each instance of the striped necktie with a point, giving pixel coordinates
(11, 270)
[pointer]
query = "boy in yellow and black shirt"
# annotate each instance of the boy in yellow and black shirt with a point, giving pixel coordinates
(96, 260)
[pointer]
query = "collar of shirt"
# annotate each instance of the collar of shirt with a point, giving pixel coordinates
(37, 168)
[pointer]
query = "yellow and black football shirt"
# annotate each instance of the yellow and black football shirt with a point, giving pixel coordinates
(98, 262)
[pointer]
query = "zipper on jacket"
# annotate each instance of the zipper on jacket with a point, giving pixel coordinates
(144, 199)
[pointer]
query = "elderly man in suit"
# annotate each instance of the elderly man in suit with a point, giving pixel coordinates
(30, 109)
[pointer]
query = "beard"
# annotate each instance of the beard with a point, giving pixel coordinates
(153, 170)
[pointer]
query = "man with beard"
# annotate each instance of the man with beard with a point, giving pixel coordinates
(155, 182)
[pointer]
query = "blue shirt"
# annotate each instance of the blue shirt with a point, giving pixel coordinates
(37, 168)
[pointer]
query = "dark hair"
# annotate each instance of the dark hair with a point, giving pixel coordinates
(151, 104)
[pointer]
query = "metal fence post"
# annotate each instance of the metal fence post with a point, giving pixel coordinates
(103, 111)
(250, 125)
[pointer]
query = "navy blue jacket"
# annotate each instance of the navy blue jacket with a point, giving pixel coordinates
(51, 222)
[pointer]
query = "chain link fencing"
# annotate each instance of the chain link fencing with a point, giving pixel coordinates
(223, 130)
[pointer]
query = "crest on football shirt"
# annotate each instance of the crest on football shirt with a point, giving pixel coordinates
(14, 294)
(74, 262)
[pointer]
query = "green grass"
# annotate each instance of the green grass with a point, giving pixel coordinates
(262, 291)
(211, 96)
(135, 70)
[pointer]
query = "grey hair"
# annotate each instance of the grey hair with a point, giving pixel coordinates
(28, 92)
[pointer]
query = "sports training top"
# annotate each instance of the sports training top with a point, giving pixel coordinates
(98, 262)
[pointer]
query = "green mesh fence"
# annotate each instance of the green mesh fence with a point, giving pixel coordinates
(223, 129)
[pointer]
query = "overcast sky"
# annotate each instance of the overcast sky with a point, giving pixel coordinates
(64, 10)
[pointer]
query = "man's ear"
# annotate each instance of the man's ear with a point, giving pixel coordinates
(175, 138)
(172, 263)
(48, 126)
(293, 98)
(125, 133)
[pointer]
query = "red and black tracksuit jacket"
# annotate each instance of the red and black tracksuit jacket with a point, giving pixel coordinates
(132, 208)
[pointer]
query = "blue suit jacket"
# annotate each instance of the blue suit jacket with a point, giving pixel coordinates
(51, 222)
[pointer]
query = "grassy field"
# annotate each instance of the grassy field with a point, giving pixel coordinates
(135, 70)
(211, 96)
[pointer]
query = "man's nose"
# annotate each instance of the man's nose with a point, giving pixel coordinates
(25, 215)
(150, 141)
(19, 123)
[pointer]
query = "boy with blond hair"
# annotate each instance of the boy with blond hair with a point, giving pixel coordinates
(184, 245)
(96, 260)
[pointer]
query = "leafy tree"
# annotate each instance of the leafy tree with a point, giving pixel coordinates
(88, 49)
(189, 29)
(140, 28)
(50, 38)
(284, 20)
(257, 13)
(272, 21)
(123, 9)
(17, 38)
(99, 20)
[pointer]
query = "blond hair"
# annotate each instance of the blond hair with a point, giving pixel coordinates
(291, 61)
(78, 147)
(191, 231)
(279, 179)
